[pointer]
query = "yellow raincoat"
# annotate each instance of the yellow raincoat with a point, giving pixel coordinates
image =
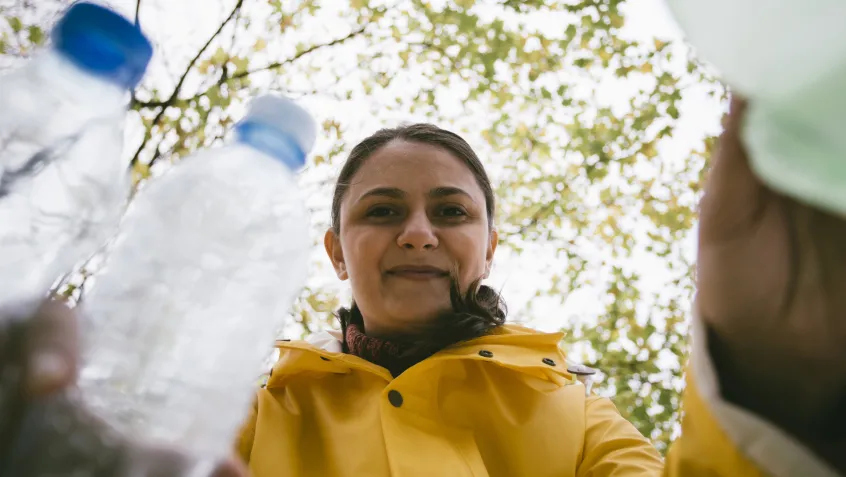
(500, 405)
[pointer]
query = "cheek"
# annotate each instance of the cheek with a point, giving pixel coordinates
(469, 248)
(363, 251)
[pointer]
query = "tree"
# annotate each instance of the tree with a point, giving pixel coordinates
(573, 117)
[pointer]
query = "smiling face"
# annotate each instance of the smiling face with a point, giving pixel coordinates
(413, 214)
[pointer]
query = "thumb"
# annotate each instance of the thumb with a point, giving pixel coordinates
(51, 349)
(232, 467)
(734, 196)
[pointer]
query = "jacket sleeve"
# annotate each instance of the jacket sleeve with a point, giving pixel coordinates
(613, 446)
(244, 441)
(722, 440)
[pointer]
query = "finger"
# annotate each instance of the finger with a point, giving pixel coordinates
(231, 468)
(144, 460)
(51, 349)
(734, 196)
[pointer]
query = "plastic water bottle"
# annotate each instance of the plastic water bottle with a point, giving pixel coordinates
(209, 259)
(789, 59)
(63, 184)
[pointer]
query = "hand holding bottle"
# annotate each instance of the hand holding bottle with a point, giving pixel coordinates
(772, 291)
(44, 429)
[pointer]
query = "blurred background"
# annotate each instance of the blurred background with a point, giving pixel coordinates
(593, 117)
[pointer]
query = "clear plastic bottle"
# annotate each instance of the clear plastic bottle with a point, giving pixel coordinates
(63, 184)
(209, 260)
(789, 59)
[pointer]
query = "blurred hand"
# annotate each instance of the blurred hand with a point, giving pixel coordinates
(44, 429)
(772, 291)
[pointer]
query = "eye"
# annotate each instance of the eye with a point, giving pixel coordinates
(381, 211)
(453, 211)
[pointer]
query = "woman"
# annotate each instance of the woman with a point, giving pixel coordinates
(766, 311)
(425, 378)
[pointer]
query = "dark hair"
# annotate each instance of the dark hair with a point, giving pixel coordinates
(479, 309)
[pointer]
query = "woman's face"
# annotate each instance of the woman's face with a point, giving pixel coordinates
(412, 214)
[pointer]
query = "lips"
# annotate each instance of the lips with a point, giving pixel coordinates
(418, 272)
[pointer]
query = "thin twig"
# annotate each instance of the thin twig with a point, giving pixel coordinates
(313, 48)
(137, 25)
(178, 88)
(137, 13)
(273, 66)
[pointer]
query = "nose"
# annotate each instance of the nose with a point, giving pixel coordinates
(418, 233)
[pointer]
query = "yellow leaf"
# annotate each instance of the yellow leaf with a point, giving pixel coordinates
(140, 172)
(617, 20)
(220, 56)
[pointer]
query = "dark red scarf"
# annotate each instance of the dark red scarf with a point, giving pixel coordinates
(393, 356)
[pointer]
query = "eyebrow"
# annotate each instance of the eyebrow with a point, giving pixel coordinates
(391, 192)
(394, 193)
(439, 192)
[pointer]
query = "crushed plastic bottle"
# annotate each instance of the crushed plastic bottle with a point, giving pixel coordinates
(63, 184)
(789, 59)
(210, 258)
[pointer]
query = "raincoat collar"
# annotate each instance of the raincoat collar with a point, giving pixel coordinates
(514, 347)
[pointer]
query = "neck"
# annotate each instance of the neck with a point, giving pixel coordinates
(394, 355)
(405, 334)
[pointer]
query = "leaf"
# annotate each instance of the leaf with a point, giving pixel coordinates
(203, 67)
(140, 172)
(15, 24)
(219, 57)
(617, 20)
(214, 97)
(673, 111)
(36, 35)
(241, 64)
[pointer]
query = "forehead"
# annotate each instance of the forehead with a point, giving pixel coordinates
(413, 167)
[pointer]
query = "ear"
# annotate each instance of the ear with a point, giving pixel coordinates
(493, 240)
(332, 243)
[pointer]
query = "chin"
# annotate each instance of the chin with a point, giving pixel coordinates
(419, 310)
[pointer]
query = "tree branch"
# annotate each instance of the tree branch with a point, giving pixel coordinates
(137, 25)
(273, 66)
(312, 49)
(178, 88)
(137, 13)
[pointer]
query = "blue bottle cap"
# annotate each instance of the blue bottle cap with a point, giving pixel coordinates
(279, 127)
(103, 43)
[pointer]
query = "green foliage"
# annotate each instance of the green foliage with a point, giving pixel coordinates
(579, 172)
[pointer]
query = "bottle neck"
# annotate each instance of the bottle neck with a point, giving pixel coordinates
(55, 68)
(272, 142)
